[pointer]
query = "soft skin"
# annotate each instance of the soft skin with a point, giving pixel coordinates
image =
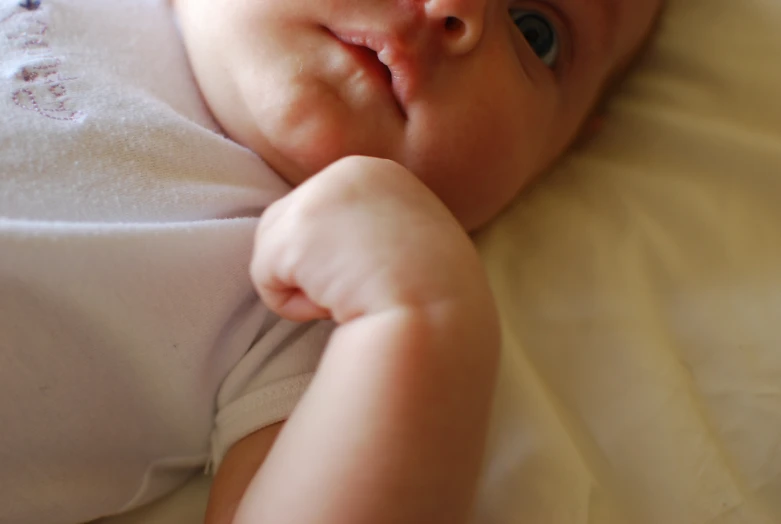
(481, 113)
(393, 427)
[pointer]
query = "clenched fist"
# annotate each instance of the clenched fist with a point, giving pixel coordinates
(392, 427)
(362, 236)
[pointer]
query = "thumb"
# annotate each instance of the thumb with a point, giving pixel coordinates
(293, 304)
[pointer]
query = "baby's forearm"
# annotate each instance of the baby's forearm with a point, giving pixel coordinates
(392, 428)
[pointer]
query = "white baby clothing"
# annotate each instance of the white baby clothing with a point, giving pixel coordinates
(133, 350)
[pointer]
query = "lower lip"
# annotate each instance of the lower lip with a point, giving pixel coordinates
(368, 60)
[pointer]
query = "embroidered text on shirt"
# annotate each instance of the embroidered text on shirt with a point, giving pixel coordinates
(43, 90)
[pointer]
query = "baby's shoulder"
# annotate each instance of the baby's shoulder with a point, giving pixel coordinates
(99, 107)
(66, 60)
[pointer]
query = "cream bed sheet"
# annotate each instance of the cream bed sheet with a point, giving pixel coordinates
(641, 292)
(640, 288)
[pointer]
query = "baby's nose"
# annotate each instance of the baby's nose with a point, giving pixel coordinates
(461, 22)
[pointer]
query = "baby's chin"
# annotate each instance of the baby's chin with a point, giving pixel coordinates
(294, 152)
(298, 144)
(474, 206)
(299, 150)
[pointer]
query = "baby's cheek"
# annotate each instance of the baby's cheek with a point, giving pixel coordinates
(478, 169)
(303, 125)
(310, 126)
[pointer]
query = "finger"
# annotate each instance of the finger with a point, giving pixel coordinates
(269, 247)
(293, 304)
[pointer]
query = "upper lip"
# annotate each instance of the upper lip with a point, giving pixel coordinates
(390, 54)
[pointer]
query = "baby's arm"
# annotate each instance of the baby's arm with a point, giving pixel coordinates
(238, 468)
(393, 425)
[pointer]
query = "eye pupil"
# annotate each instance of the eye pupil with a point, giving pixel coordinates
(538, 32)
(532, 35)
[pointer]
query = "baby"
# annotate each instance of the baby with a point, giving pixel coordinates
(126, 225)
(468, 99)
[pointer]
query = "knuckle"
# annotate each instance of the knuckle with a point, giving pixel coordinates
(361, 167)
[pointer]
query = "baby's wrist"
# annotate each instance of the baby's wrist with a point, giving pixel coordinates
(470, 313)
(430, 298)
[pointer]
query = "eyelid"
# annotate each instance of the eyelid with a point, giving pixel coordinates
(563, 28)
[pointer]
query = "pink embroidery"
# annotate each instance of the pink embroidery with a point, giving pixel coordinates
(44, 90)
(31, 32)
(58, 90)
(47, 71)
(29, 76)
(44, 101)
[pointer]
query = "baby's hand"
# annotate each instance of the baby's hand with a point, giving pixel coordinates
(393, 424)
(362, 236)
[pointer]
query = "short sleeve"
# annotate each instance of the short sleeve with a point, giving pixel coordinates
(268, 381)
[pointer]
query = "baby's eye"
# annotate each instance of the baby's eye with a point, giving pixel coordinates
(539, 32)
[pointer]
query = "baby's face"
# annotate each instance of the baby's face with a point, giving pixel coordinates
(473, 96)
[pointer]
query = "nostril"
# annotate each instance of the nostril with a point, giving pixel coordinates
(453, 24)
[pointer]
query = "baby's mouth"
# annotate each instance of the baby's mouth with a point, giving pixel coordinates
(370, 59)
(379, 58)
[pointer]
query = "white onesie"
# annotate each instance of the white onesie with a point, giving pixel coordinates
(133, 350)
